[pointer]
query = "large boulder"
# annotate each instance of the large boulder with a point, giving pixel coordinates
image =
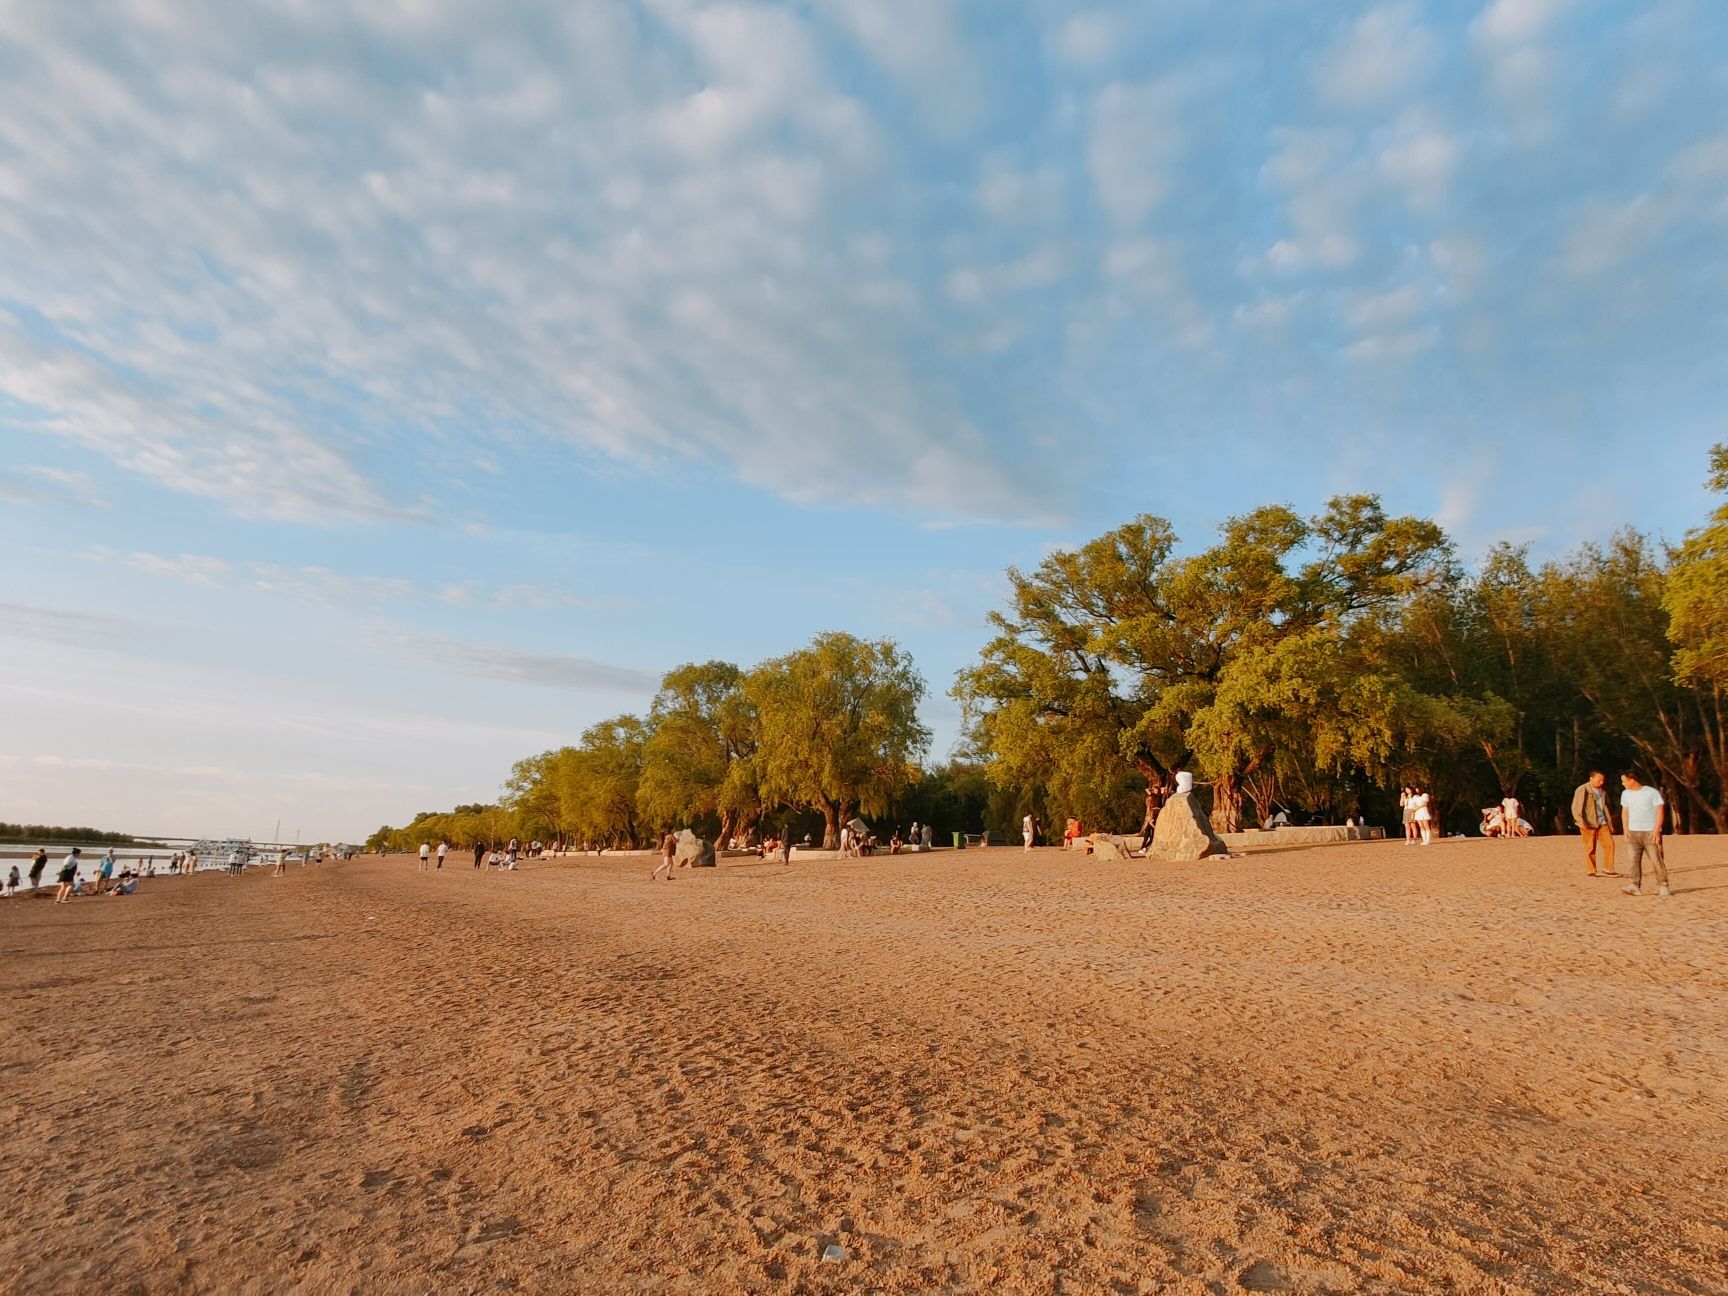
(1108, 846)
(694, 851)
(1184, 831)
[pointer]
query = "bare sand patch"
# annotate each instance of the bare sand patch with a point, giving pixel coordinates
(1364, 1068)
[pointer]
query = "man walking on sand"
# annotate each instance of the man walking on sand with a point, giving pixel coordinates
(479, 854)
(1644, 811)
(1028, 830)
(425, 854)
(668, 854)
(443, 850)
(1595, 823)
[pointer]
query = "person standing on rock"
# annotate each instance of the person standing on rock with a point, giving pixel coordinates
(1595, 823)
(668, 856)
(1644, 812)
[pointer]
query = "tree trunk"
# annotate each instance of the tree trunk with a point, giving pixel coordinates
(1227, 804)
(830, 826)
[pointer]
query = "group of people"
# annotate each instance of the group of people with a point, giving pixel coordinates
(1506, 819)
(1417, 807)
(1643, 813)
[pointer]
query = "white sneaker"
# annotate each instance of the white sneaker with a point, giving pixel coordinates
(1631, 890)
(1664, 892)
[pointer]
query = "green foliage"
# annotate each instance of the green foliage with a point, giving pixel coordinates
(35, 833)
(698, 760)
(1120, 657)
(1697, 595)
(838, 726)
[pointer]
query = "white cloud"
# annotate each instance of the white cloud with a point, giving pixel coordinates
(1385, 53)
(1377, 312)
(1608, 234)
(1391, 346)
(194, 569)
(1508, 22)
(922, 44)
(1135, 141)
(1091, 40)
(41, 484)
(1422, 159)
(522, 666)
(1042, 266)
(262, 266)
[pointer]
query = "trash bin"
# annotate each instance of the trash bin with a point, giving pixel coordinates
(959, 841)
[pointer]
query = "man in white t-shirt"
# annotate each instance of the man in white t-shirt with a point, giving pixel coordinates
(425, 853)
(1644, 811)
(443, 850)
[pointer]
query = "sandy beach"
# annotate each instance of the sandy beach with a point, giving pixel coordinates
(1363, 1068)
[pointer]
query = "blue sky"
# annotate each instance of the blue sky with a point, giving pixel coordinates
(388, 390)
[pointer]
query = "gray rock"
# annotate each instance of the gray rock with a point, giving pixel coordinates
(1184, 831)
(1108, 846)
(694, 851)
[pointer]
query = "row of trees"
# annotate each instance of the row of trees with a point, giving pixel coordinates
(1322, 662)
(829, 731)
(1315, 663)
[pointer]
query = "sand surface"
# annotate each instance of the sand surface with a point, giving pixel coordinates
(1362, 1068)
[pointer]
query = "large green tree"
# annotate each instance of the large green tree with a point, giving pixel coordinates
(698, 761)
(838, 727)
(1120, 657)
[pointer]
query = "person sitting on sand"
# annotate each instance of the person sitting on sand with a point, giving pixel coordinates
(68, 877)
(668, 857)
(893, 843)
(127, 884)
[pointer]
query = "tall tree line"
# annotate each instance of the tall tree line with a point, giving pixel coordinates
(828, 731)
(1320, 663)
(1308, 663)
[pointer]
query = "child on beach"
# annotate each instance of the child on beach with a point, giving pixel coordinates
(13, 881)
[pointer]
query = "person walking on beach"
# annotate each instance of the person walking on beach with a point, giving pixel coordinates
(1644, 812)
(443, 850)
(281, 869)
(479, 854)
(37, 866)
(425, 855)
(668, 855)
(106, 870)
(68, 877)
(1595, 823)
(14, 880)
(786, 843)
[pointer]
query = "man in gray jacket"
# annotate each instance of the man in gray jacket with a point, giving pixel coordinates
(1595, 823)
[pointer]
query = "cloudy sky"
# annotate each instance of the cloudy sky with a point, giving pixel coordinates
(390, 388)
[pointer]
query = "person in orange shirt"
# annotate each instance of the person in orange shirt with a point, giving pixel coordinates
(1071, 832)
